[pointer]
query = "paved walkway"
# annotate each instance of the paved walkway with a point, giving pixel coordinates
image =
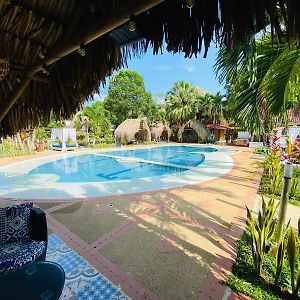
(170, 244)
(292, 213)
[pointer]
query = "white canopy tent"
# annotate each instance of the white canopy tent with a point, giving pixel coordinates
(282, 133)
(293, 133)
(63, 135)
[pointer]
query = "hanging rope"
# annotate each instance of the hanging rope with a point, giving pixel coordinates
(4, 68)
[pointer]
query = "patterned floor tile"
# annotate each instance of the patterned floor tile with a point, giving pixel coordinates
(83, 282)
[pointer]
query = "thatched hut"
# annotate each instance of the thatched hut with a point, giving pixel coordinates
(133, 130)
(55, 54)
(161, 132)
(192, 131)
(201, 91)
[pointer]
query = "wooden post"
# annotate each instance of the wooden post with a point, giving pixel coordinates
(15, 94)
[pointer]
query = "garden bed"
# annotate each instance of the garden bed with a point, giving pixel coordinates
(271, 183)
(244, 279)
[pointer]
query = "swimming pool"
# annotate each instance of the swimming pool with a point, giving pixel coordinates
(118, 171)
(122, 165)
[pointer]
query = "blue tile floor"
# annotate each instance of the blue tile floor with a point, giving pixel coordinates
(83, 282)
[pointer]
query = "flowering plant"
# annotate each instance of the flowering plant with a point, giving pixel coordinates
(295, 154)
(275, 146)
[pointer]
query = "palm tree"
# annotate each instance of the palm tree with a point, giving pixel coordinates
(262, 80)
(211, 107)
(180, 102)
(94, 119)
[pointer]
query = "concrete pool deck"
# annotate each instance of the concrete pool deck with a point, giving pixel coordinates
(168, 244)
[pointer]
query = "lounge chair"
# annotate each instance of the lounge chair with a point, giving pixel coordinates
(23, 236)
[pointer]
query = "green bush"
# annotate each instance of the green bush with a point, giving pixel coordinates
(9, 149)
(271, 181)
(265, 269)
(261, 231)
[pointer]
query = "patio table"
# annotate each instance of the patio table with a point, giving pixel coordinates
(34, 281)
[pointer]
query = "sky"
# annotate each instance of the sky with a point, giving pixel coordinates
(160, 71)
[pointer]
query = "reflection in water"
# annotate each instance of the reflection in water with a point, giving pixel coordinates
(91, 168)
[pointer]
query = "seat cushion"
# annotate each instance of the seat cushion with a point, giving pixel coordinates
(17, 254)
(14, 223)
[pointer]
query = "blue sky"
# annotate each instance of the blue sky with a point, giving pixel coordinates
(160, 71)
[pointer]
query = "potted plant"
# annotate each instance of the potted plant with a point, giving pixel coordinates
(39, 146)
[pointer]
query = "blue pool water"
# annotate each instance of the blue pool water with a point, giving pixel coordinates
(179, 155)
(124, 164)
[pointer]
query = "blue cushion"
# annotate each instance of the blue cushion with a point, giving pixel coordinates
(14, 223)
(17, 254)
(3, 226)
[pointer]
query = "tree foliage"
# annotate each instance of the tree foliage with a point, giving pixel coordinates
(96, 117)
(128, 98)
(262, 80)
(181, 102)
(211, 108)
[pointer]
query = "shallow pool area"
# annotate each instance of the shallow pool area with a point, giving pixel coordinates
(102, 173)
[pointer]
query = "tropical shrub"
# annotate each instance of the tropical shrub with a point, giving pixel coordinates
(294, 187)
(271, 181)
(284, 262)
(274, 171)
(280, 254)
(8, 148)
(292, 251)
(261, 231)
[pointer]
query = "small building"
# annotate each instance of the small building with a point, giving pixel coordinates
(161, 132)
(192, 131)
(218, 132)
(133, 131)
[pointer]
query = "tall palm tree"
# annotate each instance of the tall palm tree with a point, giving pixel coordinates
(211, 107)
(262, 80)
(180, 102)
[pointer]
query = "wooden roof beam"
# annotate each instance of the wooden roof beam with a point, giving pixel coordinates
(96, 29)
(112, 20)
(37, 77)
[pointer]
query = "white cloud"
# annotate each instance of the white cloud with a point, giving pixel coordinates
(188, 68)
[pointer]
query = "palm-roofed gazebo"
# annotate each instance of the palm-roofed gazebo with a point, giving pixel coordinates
(133, 130)
(192, 131)
(55, 54)
(161, 132)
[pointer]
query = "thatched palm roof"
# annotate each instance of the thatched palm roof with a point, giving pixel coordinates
(201, 91)
(158, 129)
(41, 71)
(129, 129)
(199, 128)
